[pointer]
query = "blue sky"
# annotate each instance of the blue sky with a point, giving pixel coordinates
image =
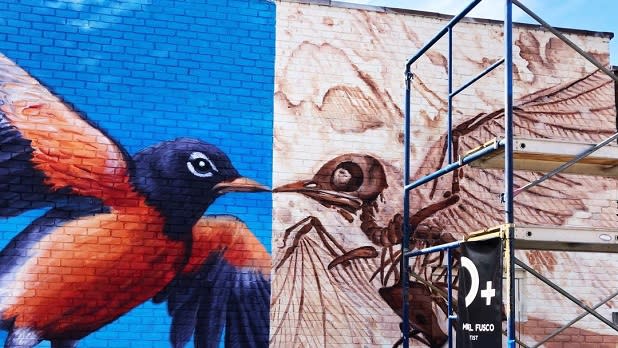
(594, 15)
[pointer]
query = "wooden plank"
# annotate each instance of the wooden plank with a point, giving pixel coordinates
(566, 238)
(544, 155)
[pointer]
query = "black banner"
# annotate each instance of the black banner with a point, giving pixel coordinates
(480, 294)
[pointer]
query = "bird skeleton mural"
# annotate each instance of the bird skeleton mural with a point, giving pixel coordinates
(120, 230)
(352, 184)
(449, 208)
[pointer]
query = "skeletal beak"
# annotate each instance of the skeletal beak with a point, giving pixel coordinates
(311, 189)
(241, 184)
(298, 186)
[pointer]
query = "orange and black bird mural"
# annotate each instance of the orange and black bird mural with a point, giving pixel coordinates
(120, 230)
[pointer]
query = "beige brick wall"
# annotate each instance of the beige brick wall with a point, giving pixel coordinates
(339, 90)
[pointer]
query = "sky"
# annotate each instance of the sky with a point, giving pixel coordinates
(593, 15)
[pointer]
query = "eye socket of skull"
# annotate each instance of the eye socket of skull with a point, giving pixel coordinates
(347, 177)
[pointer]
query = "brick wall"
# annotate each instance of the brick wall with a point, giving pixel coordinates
(150, 71)
(338, 128)
(145, 72)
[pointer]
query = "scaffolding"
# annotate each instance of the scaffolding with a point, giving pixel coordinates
(543, 155)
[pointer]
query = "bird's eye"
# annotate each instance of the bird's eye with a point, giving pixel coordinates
(200, 165)
(347, 177)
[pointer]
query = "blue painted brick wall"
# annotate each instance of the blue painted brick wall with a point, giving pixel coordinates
(153, 70)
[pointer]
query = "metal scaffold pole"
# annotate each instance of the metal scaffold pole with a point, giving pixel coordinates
(405, 244)
(488, 156)
(508, 170)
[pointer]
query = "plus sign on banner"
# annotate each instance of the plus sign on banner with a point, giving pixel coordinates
(480, 294)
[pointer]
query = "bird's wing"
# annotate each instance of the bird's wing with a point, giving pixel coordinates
(581, 110)
(468, 199)
(315, 305)
(25, 245)
(225, 284)
(14, 253)
(45, 139)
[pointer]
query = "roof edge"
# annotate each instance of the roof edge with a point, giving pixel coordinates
(374, 8)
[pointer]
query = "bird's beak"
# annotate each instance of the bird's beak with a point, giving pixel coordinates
(241, 184)
(311, 189)
(298, 186)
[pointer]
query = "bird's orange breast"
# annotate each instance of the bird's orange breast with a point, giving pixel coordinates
(93, 270)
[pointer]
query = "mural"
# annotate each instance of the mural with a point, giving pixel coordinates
(145, 223)
(102, 227)
(115, 217)
(352, 185)
(338, 212)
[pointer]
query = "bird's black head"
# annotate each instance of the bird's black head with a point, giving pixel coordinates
(181, 178)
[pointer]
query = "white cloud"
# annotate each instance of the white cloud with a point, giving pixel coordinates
(118, 10)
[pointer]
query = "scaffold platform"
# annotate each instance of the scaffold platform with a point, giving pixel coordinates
(544, 155)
